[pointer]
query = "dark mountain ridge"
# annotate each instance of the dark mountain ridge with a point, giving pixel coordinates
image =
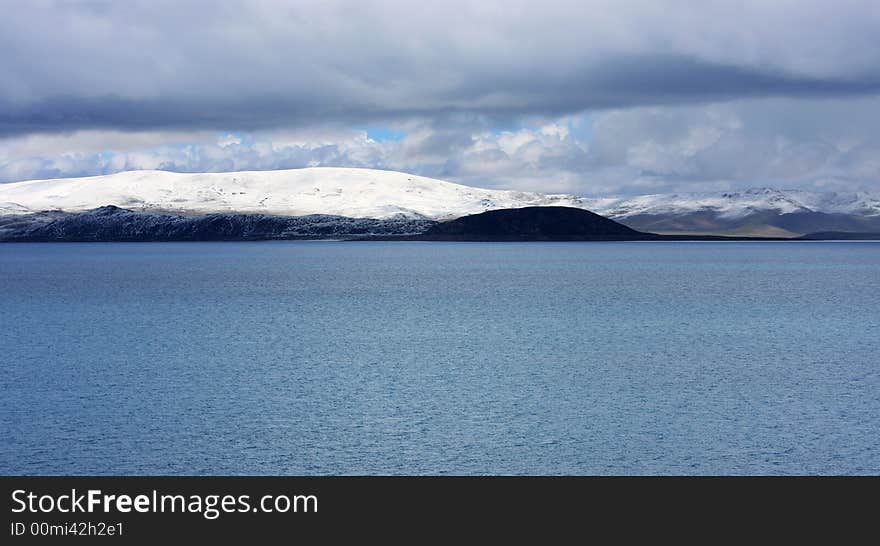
(116, 224)
(112, 223)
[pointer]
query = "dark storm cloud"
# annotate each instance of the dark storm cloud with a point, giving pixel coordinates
(619, 83)
(70, 65)
(586, 96)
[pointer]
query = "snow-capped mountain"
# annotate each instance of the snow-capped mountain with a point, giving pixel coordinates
(354, 193)
(738, 204)
(376, 194)
(755, 212)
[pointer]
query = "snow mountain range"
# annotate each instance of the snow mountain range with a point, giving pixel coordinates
(753, 212)
(388, 195)
(354, 193)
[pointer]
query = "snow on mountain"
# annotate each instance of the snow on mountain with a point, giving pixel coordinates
(367, 193)
(12, 208)
(355, 193)
(737, 204)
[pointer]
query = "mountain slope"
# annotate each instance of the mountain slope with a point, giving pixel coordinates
(757, 212)
(355, 193)
(737, 204)
(111, 223)
(532, 224)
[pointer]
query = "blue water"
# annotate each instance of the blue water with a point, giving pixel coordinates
(440, 358)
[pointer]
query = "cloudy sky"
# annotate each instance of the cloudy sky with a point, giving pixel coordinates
(590, 97)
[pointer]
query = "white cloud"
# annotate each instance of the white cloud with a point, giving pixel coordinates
(784, 143)
(592, 97)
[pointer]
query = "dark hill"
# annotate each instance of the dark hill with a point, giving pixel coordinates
(533, 224)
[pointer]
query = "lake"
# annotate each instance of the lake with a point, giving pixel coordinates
(440, 358)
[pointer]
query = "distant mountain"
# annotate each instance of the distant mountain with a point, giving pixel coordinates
(376, 194)
(756, 212)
